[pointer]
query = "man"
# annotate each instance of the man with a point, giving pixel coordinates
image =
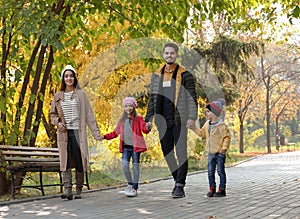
(173, 103)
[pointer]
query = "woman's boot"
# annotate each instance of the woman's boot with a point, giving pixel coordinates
(67, 179)
(79, 184)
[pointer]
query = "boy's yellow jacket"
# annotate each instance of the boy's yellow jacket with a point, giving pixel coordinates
(217, 139)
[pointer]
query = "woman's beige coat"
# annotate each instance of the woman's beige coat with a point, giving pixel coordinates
(86, 117)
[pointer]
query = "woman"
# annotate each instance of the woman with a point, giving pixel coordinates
(71, 112)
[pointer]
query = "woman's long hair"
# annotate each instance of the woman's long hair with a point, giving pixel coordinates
(63, 83)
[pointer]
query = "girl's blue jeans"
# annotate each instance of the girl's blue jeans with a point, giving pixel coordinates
(127, 154)
(216, 160)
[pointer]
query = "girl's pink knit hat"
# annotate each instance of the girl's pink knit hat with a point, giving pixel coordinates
(130, 100)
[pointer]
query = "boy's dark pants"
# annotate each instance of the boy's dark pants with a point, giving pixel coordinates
(216, 160)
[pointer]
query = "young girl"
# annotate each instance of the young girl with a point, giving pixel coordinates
(130, 127)
(218, 138)
(71, 112)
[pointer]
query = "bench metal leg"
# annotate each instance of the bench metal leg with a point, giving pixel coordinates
(87, 180)
(60, 182)
(41, 181)
(12, 183)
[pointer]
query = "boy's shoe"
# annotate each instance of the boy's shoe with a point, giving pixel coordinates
(132, 193)
(220, 193)
(212, 191)
(178, 192)
(127, 190)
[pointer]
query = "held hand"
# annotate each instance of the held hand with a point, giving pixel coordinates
(191, 124)
(100, 138)
(149, 125)
(223, 152)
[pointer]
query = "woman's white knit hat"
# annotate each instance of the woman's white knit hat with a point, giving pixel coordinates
(68, 67)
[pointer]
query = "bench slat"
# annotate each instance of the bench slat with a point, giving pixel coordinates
(35, 167)
(27, 153)
(25, 148)
(29, 159)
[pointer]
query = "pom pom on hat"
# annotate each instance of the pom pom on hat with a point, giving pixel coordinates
(68, 67)
(130, 100)
(216, 107)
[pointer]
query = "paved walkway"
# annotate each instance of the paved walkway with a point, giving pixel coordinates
(264, 187)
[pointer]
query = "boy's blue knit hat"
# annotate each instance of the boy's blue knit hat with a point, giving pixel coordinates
(216, 107)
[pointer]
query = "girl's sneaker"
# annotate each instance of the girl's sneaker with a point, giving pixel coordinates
(132, 193)
(128, 189)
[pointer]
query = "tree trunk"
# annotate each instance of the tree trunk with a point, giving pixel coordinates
(33, 93)
(268, 117)
(277, 133)
(241, 137)
(4, 183)
(41, 100)
(240, 115)
(5, 53)
(24, 88)
(267, 82)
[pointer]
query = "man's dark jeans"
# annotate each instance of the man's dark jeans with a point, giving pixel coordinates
(171, 138)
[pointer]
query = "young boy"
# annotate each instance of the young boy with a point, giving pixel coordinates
(217, 136)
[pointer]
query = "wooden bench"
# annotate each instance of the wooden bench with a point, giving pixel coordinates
(33, 159)
(285, 143)
(288, 145)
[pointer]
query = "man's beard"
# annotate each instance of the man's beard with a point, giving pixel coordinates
(170, 63)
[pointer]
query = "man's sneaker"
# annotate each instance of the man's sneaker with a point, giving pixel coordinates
(173, 190)
(212, 191)
(132, 193)
(179, 192)
(220, 193)
(127, 190)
